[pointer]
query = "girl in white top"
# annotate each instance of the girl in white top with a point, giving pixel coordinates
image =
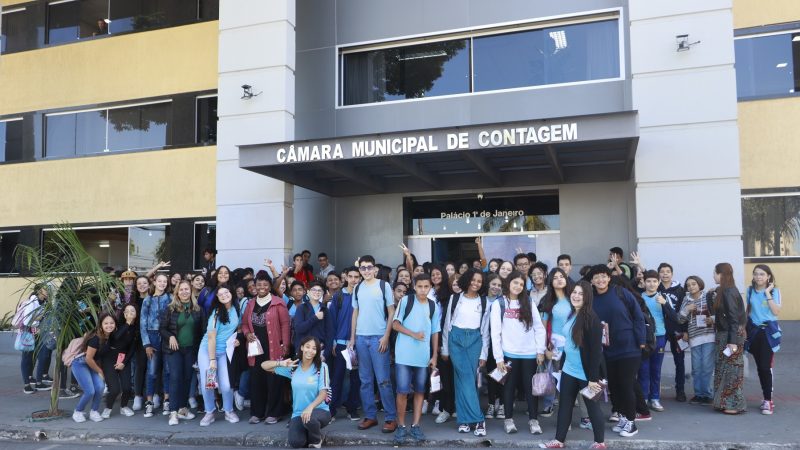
(518, 337)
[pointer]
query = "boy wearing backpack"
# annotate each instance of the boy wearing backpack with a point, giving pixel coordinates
(373, 305)
(417, 322)
(341, 311)
(650, 370)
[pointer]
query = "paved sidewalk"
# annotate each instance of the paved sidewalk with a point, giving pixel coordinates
(681, 426)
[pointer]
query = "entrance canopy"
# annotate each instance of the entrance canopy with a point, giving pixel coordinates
(525, 153)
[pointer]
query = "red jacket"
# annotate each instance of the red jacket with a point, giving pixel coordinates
(278, 327)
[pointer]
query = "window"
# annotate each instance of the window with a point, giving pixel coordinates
(139, 15)
(138, 247)
(11, 140)
(766, 66)
(8, 243)
(771, 226)
(482, 62)
(414, 71)
(564, 54)
(205, 236)
(207, 120)
(116, 129)
(12, 30)
(71, 20)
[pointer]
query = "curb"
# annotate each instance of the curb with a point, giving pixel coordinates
(334, 439)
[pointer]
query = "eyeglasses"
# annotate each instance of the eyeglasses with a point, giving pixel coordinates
(366, 268)
(315, 290)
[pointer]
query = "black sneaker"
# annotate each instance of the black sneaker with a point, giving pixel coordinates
(46, 379)
(696, 400)
(680, 396)
(67, 394)
(547, 412)
(28, 389)
(705, 401)
(42, 387)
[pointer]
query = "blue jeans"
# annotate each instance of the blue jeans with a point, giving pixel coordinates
(155, 365)
(374, 364)
(703, 369)
(91, 383)
(222, 379)
(244, 384)
(465, 349)
(408, 376)
(337, 384)
(650, 371)
(181, 373)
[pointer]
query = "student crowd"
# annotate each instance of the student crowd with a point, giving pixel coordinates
(292, 343)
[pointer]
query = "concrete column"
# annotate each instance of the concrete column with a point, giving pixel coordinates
(256, 47)
(688, 205)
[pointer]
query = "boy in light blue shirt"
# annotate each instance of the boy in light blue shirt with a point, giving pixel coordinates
(417, 322)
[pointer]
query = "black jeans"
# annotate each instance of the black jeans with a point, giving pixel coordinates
(337, 384)
(570, 390)
(519, 380)
(680, 365)
(117, 381)
(446, 396)
(621, 381)
(493, 388)
(139, 371)
(764, 356)
(302, 434)
(266, 392)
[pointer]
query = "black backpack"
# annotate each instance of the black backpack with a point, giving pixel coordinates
(383, 297)
(410, 306)
(649, 323)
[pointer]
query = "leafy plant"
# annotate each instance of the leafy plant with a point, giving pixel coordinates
(83, 291)
(5, 321)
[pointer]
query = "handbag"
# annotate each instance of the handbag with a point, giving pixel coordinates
(543, 382)
(254, 349)
(24, 341)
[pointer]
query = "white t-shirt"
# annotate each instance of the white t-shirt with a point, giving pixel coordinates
(468, 313)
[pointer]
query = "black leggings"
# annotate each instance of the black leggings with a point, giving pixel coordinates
(140, 373)
(494, 389)
(522, 371)
(117, 382)
(764, 357)
(621, 381)
(570, 389)
(446, 396)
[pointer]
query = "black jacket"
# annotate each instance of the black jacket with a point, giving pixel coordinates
(730, 315)
(168, 327)
(125, 339)
(674, 296)
(592, 351)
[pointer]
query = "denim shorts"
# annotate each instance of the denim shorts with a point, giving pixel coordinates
(408, 375)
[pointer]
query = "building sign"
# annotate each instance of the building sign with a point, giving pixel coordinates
(474, 137)
(483, 214)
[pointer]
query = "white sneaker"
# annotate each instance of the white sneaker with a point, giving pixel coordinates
(435, 411)
(509, 426)
(533, 424)
(500, 412)
(442, 417)
(137, 403)
(238, 400)
(231, 417)
(125, 411)
(656, 405)
(166, 408)
(95, 416)
(78, 416)
(185, 414)
(106, 413)
(489, 412)
(207, 420)
(192, 402)
(148, 409)
(156, 401)
(173, 418)
(424, 407)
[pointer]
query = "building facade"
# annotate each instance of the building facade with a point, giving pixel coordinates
(351, 127)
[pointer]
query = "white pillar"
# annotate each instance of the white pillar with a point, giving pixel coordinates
(688, 204)
(256, 47)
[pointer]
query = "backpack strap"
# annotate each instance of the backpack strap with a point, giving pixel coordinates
(410, 300)
(453, 304)
(484, 301)
(621, 295)
(383, 299)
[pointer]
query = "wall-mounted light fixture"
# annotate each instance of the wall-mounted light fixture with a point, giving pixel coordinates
(247, 92)
(683, 42)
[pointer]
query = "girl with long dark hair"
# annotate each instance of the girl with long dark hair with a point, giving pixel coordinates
(730, 320)
(87, 367)
(152, 308)
(141, 291)
(222, 277)
(519, 339)
(582, 366)
(555, 309)
(763, 307)
(117, 371)
(496, 408)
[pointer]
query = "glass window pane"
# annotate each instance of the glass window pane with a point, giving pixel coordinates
(139, 127)
(138, 15)
(93, 18)
(764, 66)
(12, 32)
(205, 236)
(209, 10)
(107, 245)
(207, 120)
(8, 242)
(415, 71)
(11, 140)
(563, 54)
(771, 226)
(90, 134)
(147, 245)
(60, 135)
(63, 22)
(123, 15)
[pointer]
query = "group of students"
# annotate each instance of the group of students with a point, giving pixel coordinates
(432, 335)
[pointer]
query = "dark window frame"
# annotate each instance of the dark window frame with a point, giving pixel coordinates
(197, 115)
(5, 13)
(197, 255)
(3, 233)
(791, 31)
(759, 215)
(3, 149)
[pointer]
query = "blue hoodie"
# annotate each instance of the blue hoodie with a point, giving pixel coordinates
(341, 315)
(626, 335)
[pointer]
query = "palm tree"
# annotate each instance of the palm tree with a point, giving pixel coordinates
(83, 292)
